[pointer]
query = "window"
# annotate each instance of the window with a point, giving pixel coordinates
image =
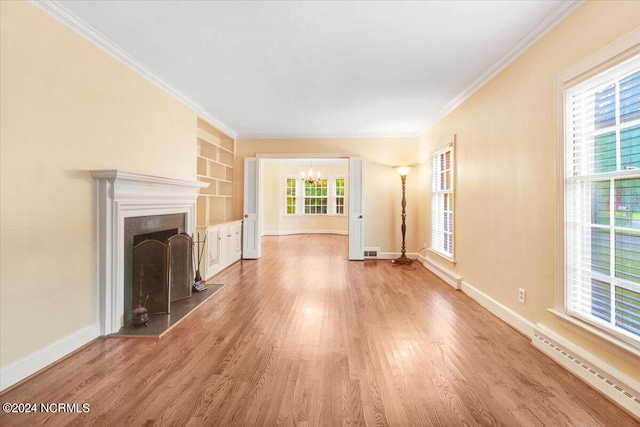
(292, 196)
(339, 195)
(316, 197)
(326, 196)
(602, 200)
(442, 202)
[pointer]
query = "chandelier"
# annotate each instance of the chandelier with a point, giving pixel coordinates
(310, 177)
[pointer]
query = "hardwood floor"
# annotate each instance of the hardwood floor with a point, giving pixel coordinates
(304, 337)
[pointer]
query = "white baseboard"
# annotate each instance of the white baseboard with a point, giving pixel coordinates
(449, 277)
(21, 369)
(314, 231)
(394, 255)
(387, 255)
(509, 316)
(619, 387)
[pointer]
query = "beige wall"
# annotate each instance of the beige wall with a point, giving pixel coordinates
(382, 190)
(275, 221)
(505, 154)
(67, 108)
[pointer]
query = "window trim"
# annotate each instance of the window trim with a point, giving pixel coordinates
(436, 151)
(305, 197)
(334, 200)
(296, 198)
(331, 197)
(617, 52)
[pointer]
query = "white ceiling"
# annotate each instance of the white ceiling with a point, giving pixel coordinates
(316, 68)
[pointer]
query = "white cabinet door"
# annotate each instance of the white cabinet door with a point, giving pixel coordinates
(225, 254)
(237, 237)
(214, 240)
(222, 248)
(235, 244)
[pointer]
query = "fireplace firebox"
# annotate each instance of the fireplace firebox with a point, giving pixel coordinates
(162, 270)
(149, 228)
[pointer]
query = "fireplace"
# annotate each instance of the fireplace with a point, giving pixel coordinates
(128, 201)
(158, 263)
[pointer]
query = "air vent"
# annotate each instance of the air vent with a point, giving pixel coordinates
(608, 383)
(371, 252)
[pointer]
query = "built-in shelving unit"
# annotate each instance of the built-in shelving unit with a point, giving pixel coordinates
(216, 154)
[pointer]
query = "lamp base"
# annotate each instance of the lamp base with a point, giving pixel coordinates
(403, 260)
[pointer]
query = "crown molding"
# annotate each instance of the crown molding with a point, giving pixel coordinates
(553, 19)
(61, 14)
(58, 12)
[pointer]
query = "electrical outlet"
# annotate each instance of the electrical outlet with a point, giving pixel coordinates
(522, 295)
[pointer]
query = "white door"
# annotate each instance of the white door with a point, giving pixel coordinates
(251, 243)
(356, 209)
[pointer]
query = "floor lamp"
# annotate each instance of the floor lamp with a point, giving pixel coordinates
(403, 171)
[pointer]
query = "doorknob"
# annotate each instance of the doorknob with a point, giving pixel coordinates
(360, 217)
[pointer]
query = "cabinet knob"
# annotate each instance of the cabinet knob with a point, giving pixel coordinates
(246, 216)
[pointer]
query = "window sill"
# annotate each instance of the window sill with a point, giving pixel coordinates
(628, 350)
(443, 256)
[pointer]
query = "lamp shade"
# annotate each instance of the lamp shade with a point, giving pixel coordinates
(403, 170)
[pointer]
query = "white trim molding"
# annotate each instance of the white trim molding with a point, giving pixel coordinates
(23, 368)
(452, 279)
(509, 316)
(536, 34)
(120, 195)
(617, 386)
(312, 231)
(621, 388)
(394, 255)
(61, 14)
(626, 349)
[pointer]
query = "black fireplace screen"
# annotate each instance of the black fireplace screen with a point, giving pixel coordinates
(151, 275)
(181, 269)
(162, 272)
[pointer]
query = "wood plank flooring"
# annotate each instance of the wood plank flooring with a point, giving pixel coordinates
(304, 337)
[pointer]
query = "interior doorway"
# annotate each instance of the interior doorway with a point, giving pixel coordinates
(278, 200)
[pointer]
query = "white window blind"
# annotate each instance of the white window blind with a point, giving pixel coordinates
(442, 202)
(602, 200)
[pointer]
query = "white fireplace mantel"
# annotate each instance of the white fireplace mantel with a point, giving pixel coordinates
(120, 195)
